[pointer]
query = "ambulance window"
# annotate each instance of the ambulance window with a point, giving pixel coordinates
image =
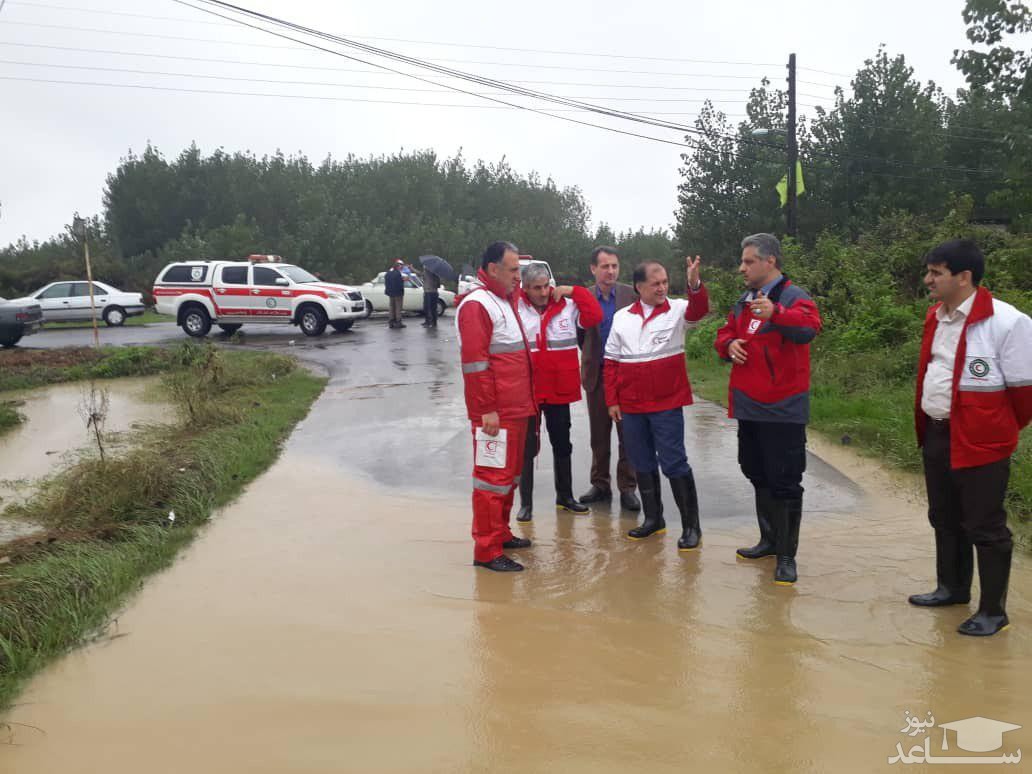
(183, 273)
(234, 275)
(263, 275)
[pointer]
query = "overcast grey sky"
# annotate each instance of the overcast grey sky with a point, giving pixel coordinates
(61, 140)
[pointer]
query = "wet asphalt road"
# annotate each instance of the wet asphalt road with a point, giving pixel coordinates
(394, 412)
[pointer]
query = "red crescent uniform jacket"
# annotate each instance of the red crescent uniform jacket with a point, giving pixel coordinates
(553, 343)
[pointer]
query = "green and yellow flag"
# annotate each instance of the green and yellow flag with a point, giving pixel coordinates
(782, 186)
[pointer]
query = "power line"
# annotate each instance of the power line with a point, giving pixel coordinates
(607, 55)
(316, 83)
(413, 61)
(379, 71)
(454, 61)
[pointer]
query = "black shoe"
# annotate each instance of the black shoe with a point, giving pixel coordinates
(525, 514)
(954, 567)
(652, 506)
(687, 500)
(571, 505)
(501, 564)
(982, 625)
(941, 597)
(425, 325)
(785, 572)
(517, 542)
(596, 495)
(564, 486)
(401, 324)
(786, 516)
(766, 545)
(526, 492)
(630, 502)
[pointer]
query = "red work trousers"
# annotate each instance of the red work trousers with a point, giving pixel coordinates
(493, 492)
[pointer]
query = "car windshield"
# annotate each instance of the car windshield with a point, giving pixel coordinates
(298, 274)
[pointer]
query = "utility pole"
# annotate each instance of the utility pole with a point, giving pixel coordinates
(79, 228)
(793, 149)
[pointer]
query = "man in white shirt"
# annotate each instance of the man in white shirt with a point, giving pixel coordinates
(974, 394)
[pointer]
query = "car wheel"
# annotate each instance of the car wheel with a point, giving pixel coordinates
(368, 308)
(114, 316)
(441, 307)
(229, 328)
(312, 320)
(9, 339)
(195, 321)
(342, 325)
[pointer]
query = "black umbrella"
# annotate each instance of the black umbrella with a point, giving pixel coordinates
(438, 266)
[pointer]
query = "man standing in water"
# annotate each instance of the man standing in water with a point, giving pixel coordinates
(612, 296)
(974, 395)
(496, 372)
(647, 389)
(767, 339)
(551, 318)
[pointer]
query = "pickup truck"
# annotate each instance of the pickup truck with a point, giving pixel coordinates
(234, 293)
(18, 318)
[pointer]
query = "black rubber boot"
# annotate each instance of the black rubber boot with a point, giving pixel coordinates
(954, 566)
(564, 486)
(687, 500)
(651, 506)
(764, 505)
(787, 516)
(526, 494)
(994, 573)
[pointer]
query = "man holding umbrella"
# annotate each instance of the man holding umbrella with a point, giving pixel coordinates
(434, 270)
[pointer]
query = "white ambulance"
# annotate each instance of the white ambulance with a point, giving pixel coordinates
(261, 290)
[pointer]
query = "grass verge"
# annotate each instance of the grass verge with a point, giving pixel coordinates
(108, 521)
(867, 402)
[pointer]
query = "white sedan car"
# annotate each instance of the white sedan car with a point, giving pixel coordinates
(376, 298)
(70, 302)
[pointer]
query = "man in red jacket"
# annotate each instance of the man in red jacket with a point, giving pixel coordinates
(496, 371)
(974, 395)
(767, 339)
(551, 318)
(647, 389)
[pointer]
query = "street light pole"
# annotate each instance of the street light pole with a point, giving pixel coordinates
(793, 150)
(80, 229)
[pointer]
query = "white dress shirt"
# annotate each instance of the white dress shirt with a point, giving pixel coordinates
(937, 393)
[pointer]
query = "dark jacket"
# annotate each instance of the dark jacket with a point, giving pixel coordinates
(394, 283)
(591, 344)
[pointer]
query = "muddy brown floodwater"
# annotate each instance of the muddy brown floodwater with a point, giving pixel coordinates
(320, 625)
(329, 620)
(53, 431)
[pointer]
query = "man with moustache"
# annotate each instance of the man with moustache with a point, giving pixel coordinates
(767, 340)
(499, 391)
(974, 395)
(647, 388)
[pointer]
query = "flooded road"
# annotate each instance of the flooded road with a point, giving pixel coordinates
(329, 620)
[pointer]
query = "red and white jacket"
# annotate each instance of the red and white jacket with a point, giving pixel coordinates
(644, 368)
(992, 381)
(496, 366)
(553, 343)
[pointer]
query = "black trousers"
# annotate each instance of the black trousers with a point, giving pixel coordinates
(968, 501)
(772, 456)
(430, 307)
(557, 422)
